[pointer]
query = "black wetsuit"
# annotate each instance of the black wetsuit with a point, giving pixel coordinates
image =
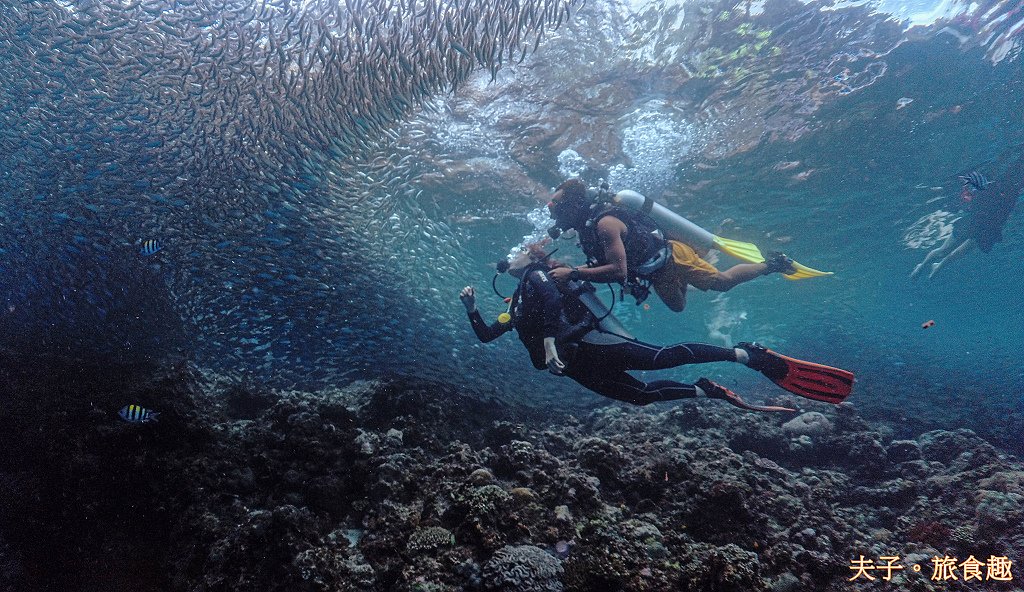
(991, 207)
(595, 358)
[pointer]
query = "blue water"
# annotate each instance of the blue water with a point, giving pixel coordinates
(307, 269)
(874, 167)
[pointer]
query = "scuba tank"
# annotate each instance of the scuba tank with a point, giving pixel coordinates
(606, 321)
(675, 226)
(678, 228)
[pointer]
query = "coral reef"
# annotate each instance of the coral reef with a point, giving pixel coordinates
(811, 423)
(522, 568)
(409, 485)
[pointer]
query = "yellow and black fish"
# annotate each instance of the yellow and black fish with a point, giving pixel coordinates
(150, 246)
(137, 414)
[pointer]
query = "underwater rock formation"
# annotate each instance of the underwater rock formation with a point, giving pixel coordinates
(409, 485)
(811, 423)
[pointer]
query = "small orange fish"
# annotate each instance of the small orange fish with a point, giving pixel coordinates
(928, 323)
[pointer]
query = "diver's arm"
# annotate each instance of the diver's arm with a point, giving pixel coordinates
(609, 231)
(484, 332)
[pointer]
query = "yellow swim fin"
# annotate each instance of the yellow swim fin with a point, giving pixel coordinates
(741, 250)
(802, 272)
(749, 252)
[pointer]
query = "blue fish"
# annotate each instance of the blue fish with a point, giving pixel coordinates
(150, 246)
(975, 180)
(137, 414)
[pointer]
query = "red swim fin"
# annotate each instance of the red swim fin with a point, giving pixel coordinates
(815, 381)
(807, 379)
(716, 391)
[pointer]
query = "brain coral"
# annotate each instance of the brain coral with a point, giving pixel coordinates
(808, 424)
(522, 568)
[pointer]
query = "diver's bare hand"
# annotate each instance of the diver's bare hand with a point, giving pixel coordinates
(560, 274)
(468, 297)
(554, 363)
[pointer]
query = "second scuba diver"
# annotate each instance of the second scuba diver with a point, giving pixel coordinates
(565, 336)
(622, 246)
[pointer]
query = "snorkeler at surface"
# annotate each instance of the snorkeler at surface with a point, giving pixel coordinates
(622, 246)
(565, 336)
(988, 206)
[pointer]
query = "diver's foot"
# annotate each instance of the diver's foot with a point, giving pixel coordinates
(713, 390)
(764, 361)
(917, 270)
(935, 268)
(778, 262)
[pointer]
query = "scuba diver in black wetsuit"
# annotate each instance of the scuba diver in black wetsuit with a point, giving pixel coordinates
(564, 335)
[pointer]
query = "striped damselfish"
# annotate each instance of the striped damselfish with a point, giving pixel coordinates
(150, 246)
(137, 414)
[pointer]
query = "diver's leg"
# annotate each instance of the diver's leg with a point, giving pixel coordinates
(623, 387)
(603, 350)
(933, 254)
(669, 282)
(736, 275)
(672, 295)
(960, 251)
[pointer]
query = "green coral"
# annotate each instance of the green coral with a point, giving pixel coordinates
(610, 552)
(997, 510)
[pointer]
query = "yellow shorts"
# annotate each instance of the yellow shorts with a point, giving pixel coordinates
(685, 267)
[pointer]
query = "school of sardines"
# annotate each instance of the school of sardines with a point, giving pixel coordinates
(244, 151)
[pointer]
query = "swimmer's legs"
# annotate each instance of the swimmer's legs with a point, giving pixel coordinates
(939, 251)
(960, 251)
